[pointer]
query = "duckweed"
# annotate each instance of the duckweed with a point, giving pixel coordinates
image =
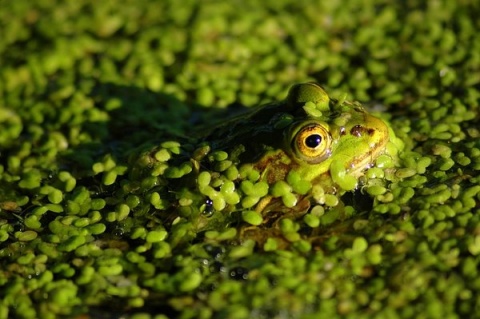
(252, 217)
(156, 236)
(311, 220)
(341, 177)
(109, 206)
(26, 235)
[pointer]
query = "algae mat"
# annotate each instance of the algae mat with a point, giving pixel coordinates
(98, 100)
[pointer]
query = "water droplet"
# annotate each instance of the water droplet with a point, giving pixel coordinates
(208, 211)
(239, 273)
(214, 251)
(118, 231)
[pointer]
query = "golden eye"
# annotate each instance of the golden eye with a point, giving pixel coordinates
(312, 142)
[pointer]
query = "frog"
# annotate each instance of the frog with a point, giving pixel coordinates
(309, 137)
(278, 160)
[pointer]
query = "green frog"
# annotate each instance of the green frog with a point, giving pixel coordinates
(288, 136)
(283, 156)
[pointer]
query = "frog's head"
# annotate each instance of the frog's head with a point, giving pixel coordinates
(323, 139)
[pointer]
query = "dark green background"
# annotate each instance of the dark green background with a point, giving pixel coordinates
(81, 79)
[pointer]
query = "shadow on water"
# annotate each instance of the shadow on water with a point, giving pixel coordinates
(136, 117)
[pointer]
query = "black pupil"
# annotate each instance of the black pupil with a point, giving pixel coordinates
(313, 140)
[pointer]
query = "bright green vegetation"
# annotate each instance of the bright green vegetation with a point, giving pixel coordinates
(104, 186)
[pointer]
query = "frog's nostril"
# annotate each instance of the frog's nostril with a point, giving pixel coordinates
(359, 131)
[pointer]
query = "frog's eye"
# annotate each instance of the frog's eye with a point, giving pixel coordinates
(312, 143)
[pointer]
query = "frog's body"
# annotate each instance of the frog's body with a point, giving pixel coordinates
(279, 158)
